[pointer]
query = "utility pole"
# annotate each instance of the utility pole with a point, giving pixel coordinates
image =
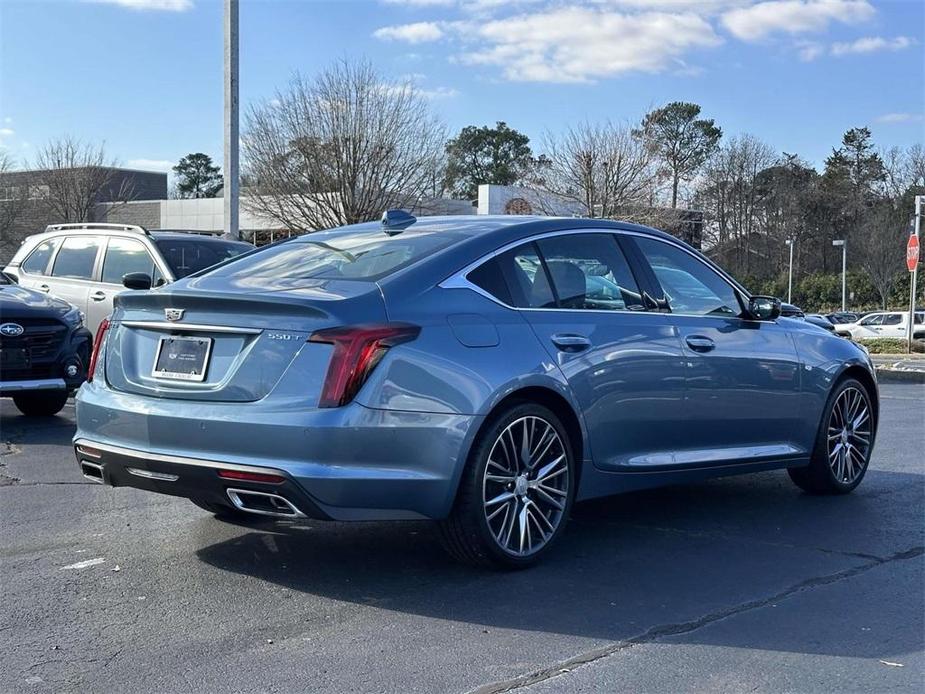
(232, 180)
(790, 272)
(844, 269)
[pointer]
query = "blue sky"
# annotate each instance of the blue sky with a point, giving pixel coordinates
(145, 76)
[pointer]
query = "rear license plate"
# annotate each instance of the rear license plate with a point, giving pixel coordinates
(182, 358)
(12, 358)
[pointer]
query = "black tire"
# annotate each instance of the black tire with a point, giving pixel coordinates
(820, 476)
(41, 403)
(229, 513)
(467, 533)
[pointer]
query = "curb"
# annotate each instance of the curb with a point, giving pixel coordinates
(897, 376)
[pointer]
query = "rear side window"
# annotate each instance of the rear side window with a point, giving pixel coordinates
(893, 319)
(124, 256)
(77, 257)
(365, 256)
(516, 278)
(689, 285)
(37, 262)
(589, 272)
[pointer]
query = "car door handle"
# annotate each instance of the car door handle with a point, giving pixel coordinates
(568, 342)
(98, 296)
(699, 343)
(44, 288)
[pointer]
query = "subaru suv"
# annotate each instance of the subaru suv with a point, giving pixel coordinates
(44, 349)
(87, 264)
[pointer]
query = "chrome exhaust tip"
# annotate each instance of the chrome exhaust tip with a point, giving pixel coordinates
(263, 503)
(92, 471)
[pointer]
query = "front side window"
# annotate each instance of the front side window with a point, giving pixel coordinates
(76, 257)
(589, 272)
(37, 262)
(124, 256)
(690, 285)
(872, 320)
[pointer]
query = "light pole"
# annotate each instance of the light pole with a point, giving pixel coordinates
(789, 242)
(844, 267)
(231, 120)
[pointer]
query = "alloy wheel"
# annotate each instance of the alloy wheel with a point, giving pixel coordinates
(525, 486)
(849, 435)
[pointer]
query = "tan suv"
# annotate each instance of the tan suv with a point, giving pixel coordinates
(85, 264)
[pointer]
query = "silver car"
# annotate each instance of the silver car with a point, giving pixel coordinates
(86, 264)
(485, 372)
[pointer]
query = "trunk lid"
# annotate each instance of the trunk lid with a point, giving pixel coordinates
(251, 338)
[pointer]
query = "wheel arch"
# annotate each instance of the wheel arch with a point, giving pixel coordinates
(559, 405)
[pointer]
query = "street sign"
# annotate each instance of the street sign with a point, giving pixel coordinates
(912, 253)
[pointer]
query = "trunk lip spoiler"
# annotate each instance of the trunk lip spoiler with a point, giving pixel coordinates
(194, 327)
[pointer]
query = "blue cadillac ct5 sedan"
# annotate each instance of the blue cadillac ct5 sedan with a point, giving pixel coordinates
(484, 372)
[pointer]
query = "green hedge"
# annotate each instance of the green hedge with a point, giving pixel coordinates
(892, 345)
(821, 293)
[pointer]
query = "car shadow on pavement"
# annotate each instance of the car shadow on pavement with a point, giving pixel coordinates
(661, 561)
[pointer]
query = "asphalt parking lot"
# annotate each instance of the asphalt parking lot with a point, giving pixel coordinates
(741, 584)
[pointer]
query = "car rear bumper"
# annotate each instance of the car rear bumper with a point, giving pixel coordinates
(348, 463)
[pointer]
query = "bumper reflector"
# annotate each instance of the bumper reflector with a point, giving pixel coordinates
(89, 452)
(251, 476)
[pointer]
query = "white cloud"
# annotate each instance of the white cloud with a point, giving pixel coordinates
(579, 44)
(421, 3)
(418, 32)
(162, 5)
(872, 44)
(162, 165)
(7, 132)
(809, 51)
(793, 16)
(899, 118)
(438, 93)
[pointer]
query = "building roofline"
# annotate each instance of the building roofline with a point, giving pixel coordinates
(111, 168)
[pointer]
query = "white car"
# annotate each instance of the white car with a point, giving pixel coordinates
(893, 324)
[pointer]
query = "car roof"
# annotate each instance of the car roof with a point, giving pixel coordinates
(180, 234)
(471, 225)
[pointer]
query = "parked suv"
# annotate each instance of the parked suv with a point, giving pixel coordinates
(85, 264)
(44, 349)
(884, 324)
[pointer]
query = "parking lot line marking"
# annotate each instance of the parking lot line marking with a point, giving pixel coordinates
(84, 564)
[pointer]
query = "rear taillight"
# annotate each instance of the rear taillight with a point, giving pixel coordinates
(97, 344)
(357, 350)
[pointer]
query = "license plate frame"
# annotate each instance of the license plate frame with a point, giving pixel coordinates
(199, 359)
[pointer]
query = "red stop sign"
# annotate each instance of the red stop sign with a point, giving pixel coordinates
(912, 253)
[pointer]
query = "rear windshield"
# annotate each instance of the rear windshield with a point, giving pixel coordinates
(186, 256)
(365, 256)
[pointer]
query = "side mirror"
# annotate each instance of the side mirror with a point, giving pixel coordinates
(136, 280)
(764, 308)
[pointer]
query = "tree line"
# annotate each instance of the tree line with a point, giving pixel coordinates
(344, 145)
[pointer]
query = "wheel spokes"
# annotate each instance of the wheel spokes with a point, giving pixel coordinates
(525, 485)
(848, 439)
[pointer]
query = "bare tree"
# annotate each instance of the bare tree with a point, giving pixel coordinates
(882, 239)
(731, 194)
(598, 170)
(340, 149)
(73, 176)
(13, 198)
